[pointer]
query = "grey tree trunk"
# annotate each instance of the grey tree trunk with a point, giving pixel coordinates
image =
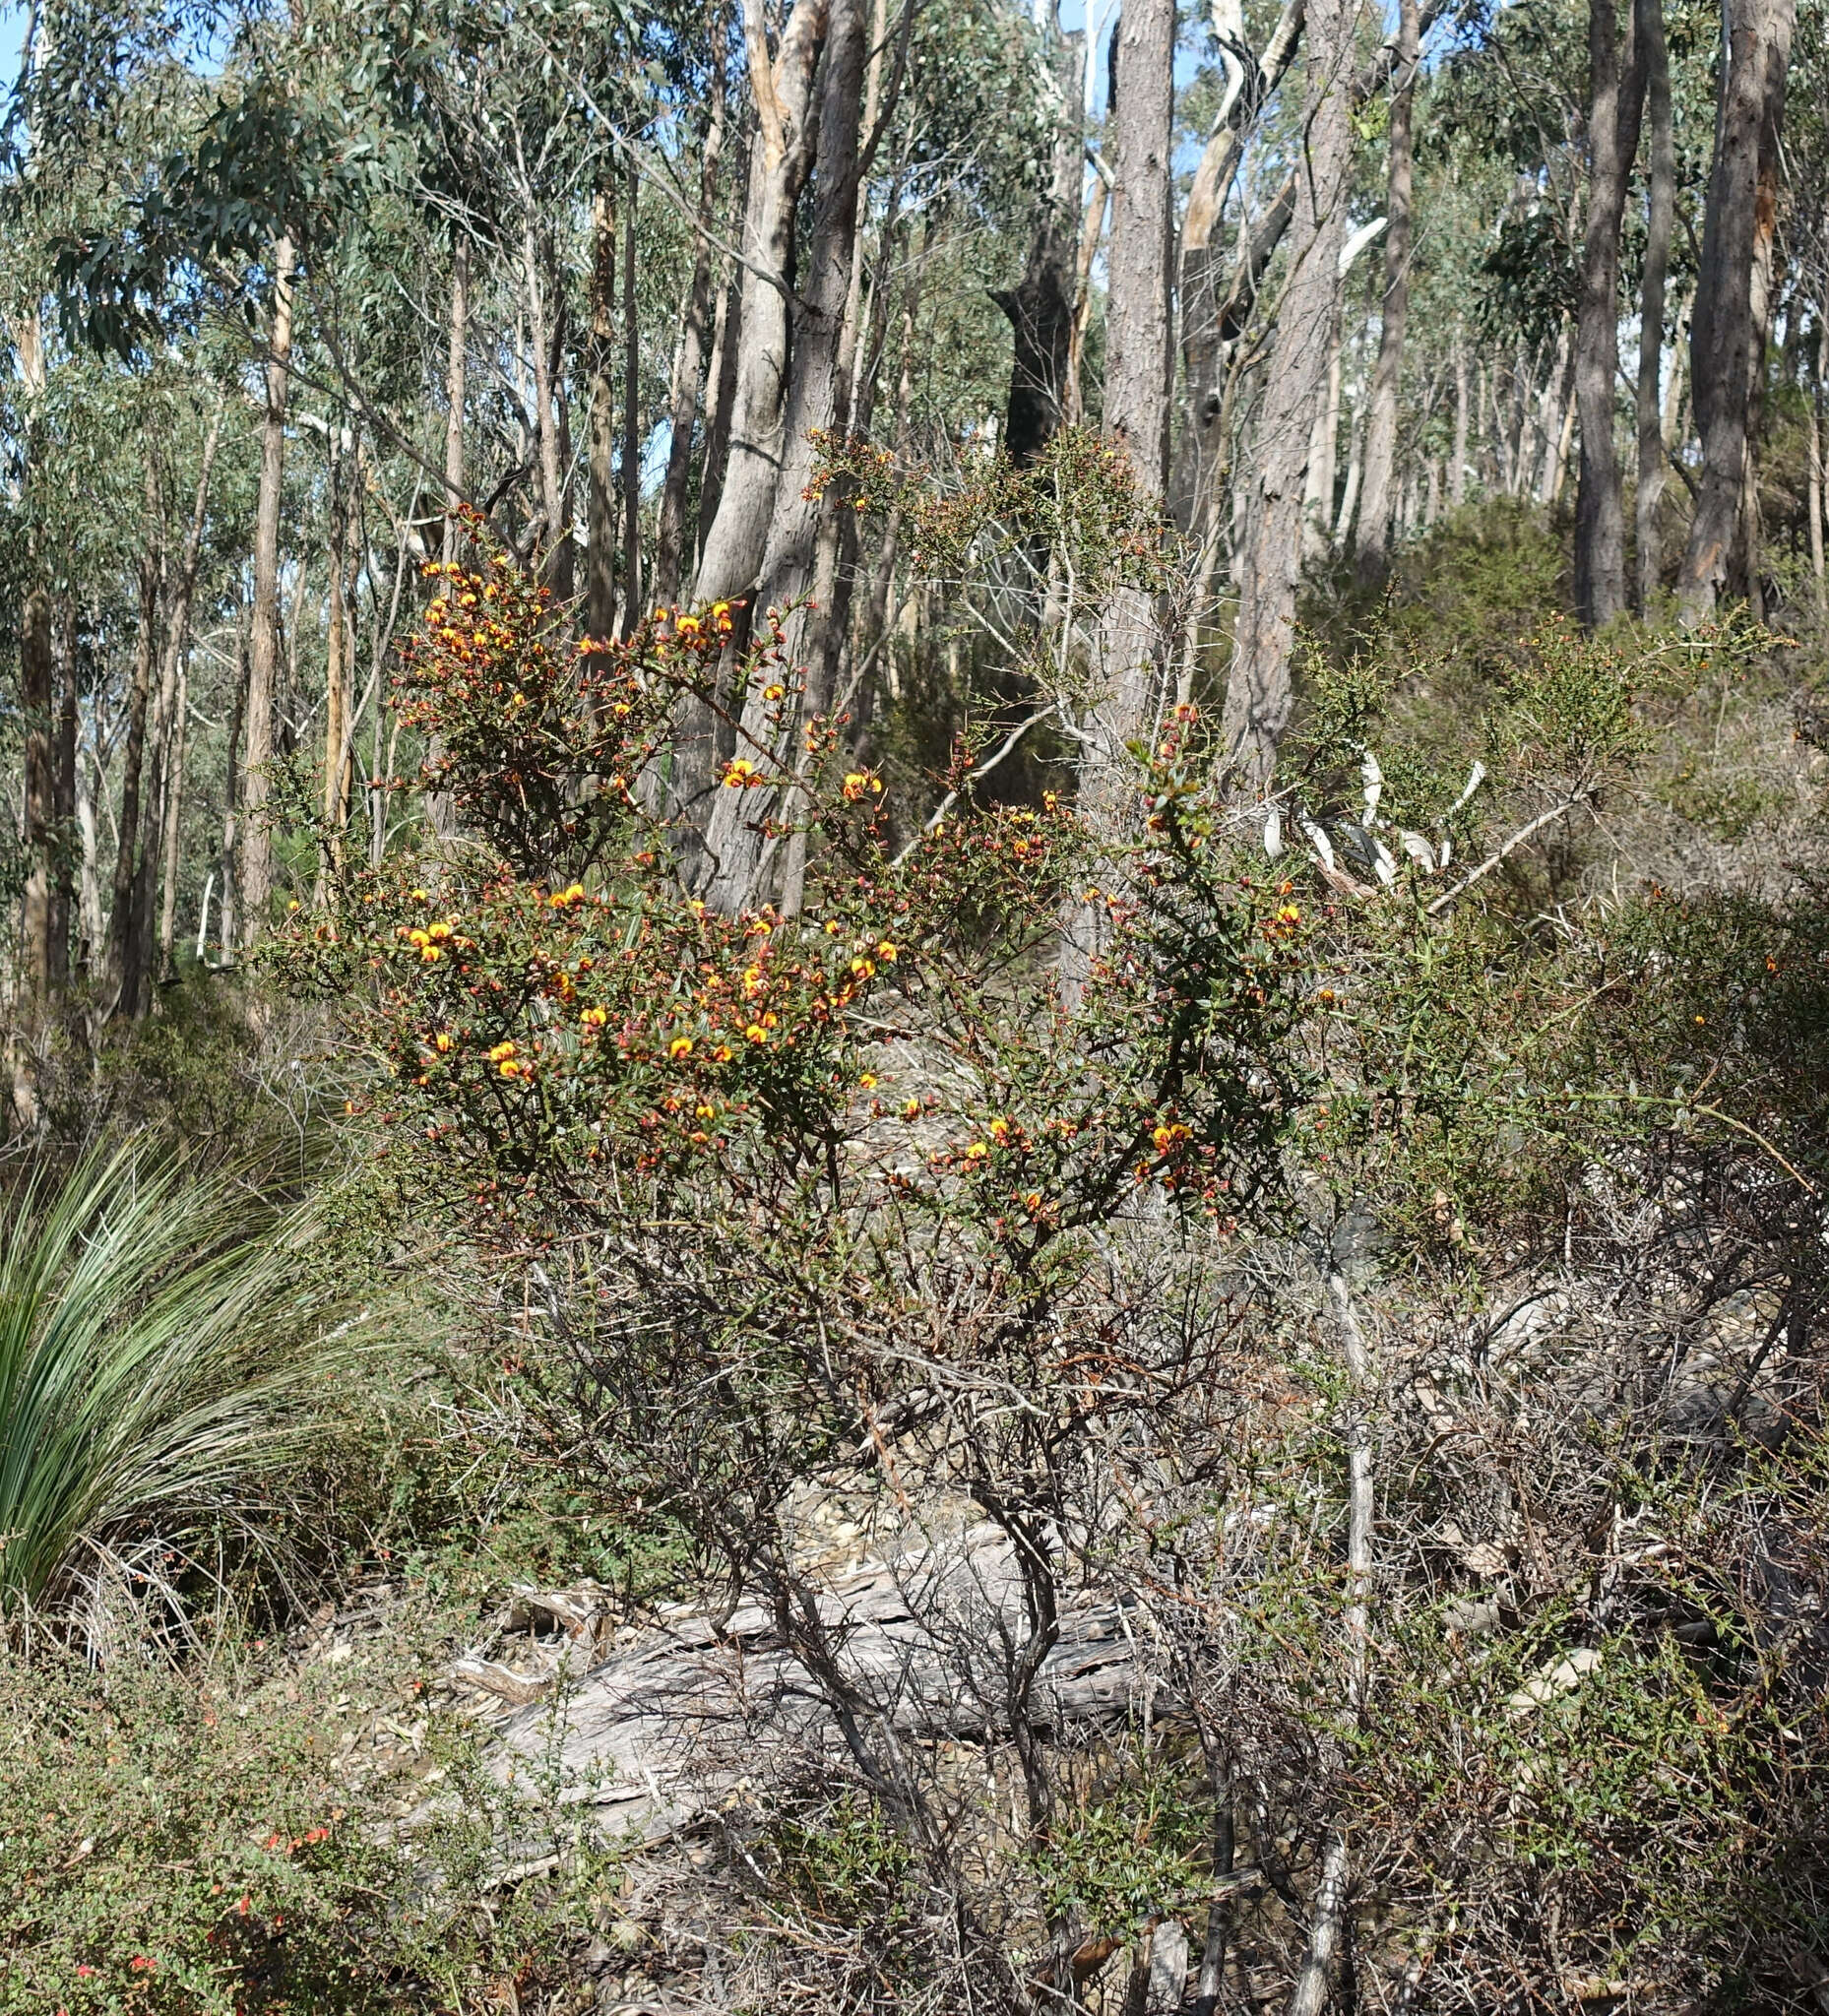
(1258, 691)
(818, 404)
(1816, 486)
(1372, 551)
(631, 423)
(1136, 417)
(172, 677)
(541, 318)
(171, 838)
(126, 954)
(671, 534)
(36, 700)
(254, 842)
(457, 345)
(1041, 306)
(1648, 32)
(720, 394)
(1205, 345)
(63, 795)
(780, 157)
(1615, 103)
(1457, 479)
(1741, 208)
(601, 448)
(1323, 464)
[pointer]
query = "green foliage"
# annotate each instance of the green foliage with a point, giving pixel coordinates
(198, 1846)
(1129, 1851)
(845, 1862)
(158, 1361)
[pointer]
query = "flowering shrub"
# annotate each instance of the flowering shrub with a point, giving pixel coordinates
(559, 1015)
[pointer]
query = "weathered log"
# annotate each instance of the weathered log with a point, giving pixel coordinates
(669, 1726)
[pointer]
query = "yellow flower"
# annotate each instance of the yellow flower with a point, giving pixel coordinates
(863, 968)
(976, 1152)
(419, 896)
(1031, 1200)
(680, 1046)
(509, 1068)
(704, 1112)
(443, 1041)
(887, 952)
(420, 938)
(756, 1033)
(594, 1018)
(752, 979)
(868, 1081)
(737, 772)
(833, 928)
(912, 1112)
(439, 934)
(722, 1054)
(999, 1130)
(501, 1052)
(773, 692)
(859, 784)
(430, 954)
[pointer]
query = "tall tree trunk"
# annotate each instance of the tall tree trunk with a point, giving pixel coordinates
(1092, 232)
(1661, 209)
(1550, 410)
(175, 678)
(720, 389)
(1040, 306)
(36, 700)
(1356, 474)
(600, 458)
(1136, 420)
(231, 806)
(1202, 261)
(457, 350)
(336, 789)
(541, 321)
(1323, 466)
(1371, 553)
(92, 933)
(1457, 480)
(254, 840)
(1818, 375)
(1614, 104)
(1724, 349)
(126, 962)
(172, 815)
(631, 423)
(818, 404)
(1744, 578)
(780, 157)
(1258, 691)
(63, 797)
(670, 533)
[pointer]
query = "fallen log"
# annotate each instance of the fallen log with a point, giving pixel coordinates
(672, 1724)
